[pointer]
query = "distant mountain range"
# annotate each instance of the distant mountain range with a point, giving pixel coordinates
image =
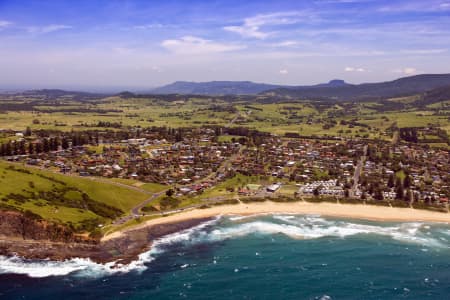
(52, 94)
(401, 87)
(228, 87)
(431, 88)
(333, 90)
(214, 88)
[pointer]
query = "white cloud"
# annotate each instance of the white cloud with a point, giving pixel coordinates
(196, 45)
(417, 6)
(47, 29)
(354, 69)
(409, 71)
(406, 71)
(284, 72)
(148, 26)
(424, 51)
(251, 26)
(286, 44)
(156, 69)
(4, 24)
(247, 31)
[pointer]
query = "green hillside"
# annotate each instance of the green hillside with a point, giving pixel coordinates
(80, 203)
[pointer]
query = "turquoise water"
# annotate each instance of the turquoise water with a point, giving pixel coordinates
(259, 257)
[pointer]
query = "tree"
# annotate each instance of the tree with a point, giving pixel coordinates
(378, 194)
(316, 191)
(346, 193)
(408, 196)
(15, 148)
(8, 149)
(391, 181)
(30, 148)
(407, 181)
(169, 193)
(54, 143)
(169, 202)
(38, 147)
(21, 148)
(45, 146)
(398, 182)
(399, 192)
(28, 131)
(65, 143)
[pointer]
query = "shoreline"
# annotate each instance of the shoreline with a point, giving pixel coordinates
(124, 246)
(122, 250)
(351, 211)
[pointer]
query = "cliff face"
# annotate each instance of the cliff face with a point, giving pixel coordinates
(28, 237)
(20, 226)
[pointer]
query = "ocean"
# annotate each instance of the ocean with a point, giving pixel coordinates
(278, 256)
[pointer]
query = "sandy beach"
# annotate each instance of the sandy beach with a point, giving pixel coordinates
(356, 211)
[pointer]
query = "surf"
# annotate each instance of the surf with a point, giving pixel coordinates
(222, 228)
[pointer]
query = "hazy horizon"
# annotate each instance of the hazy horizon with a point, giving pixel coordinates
(138, 45)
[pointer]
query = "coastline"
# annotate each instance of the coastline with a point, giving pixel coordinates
(124, 246)
(121, 250)
(353, 211)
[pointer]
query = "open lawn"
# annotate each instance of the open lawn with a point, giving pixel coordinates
(63, 198)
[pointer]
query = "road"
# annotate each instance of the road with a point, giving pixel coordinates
(357, 174)
(135, 211)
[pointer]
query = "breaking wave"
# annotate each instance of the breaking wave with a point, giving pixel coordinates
(223, 228)
(84, 267)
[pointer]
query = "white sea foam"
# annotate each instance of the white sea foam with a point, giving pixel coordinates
(81, 267)
(313, 226)
(293, 226)
(302, 227)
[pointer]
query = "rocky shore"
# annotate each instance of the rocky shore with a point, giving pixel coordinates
(33, 239)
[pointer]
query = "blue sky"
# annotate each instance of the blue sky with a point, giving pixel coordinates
(140, 44)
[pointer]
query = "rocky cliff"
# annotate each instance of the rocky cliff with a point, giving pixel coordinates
(27, 227)
(26, 236)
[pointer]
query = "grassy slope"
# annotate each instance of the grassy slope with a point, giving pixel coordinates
(150, 187)
(12, 181)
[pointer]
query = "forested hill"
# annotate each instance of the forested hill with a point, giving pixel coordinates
(214, 88)
(401, 87)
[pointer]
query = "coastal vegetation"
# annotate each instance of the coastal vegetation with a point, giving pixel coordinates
(78, 203)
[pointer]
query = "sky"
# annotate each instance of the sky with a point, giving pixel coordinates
(95, 44)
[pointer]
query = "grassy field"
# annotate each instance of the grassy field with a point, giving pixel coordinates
(229, 187)
(150, 187)
(62, 198)
(305, 117)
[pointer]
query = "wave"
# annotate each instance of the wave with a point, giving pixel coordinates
(223, 228)
(313, 226)
(308, 227)
(79, 267)
(298, 227)
(84, 267)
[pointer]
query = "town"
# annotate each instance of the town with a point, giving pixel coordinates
(193, 162)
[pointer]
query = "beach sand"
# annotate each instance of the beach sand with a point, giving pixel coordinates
(355, 211)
